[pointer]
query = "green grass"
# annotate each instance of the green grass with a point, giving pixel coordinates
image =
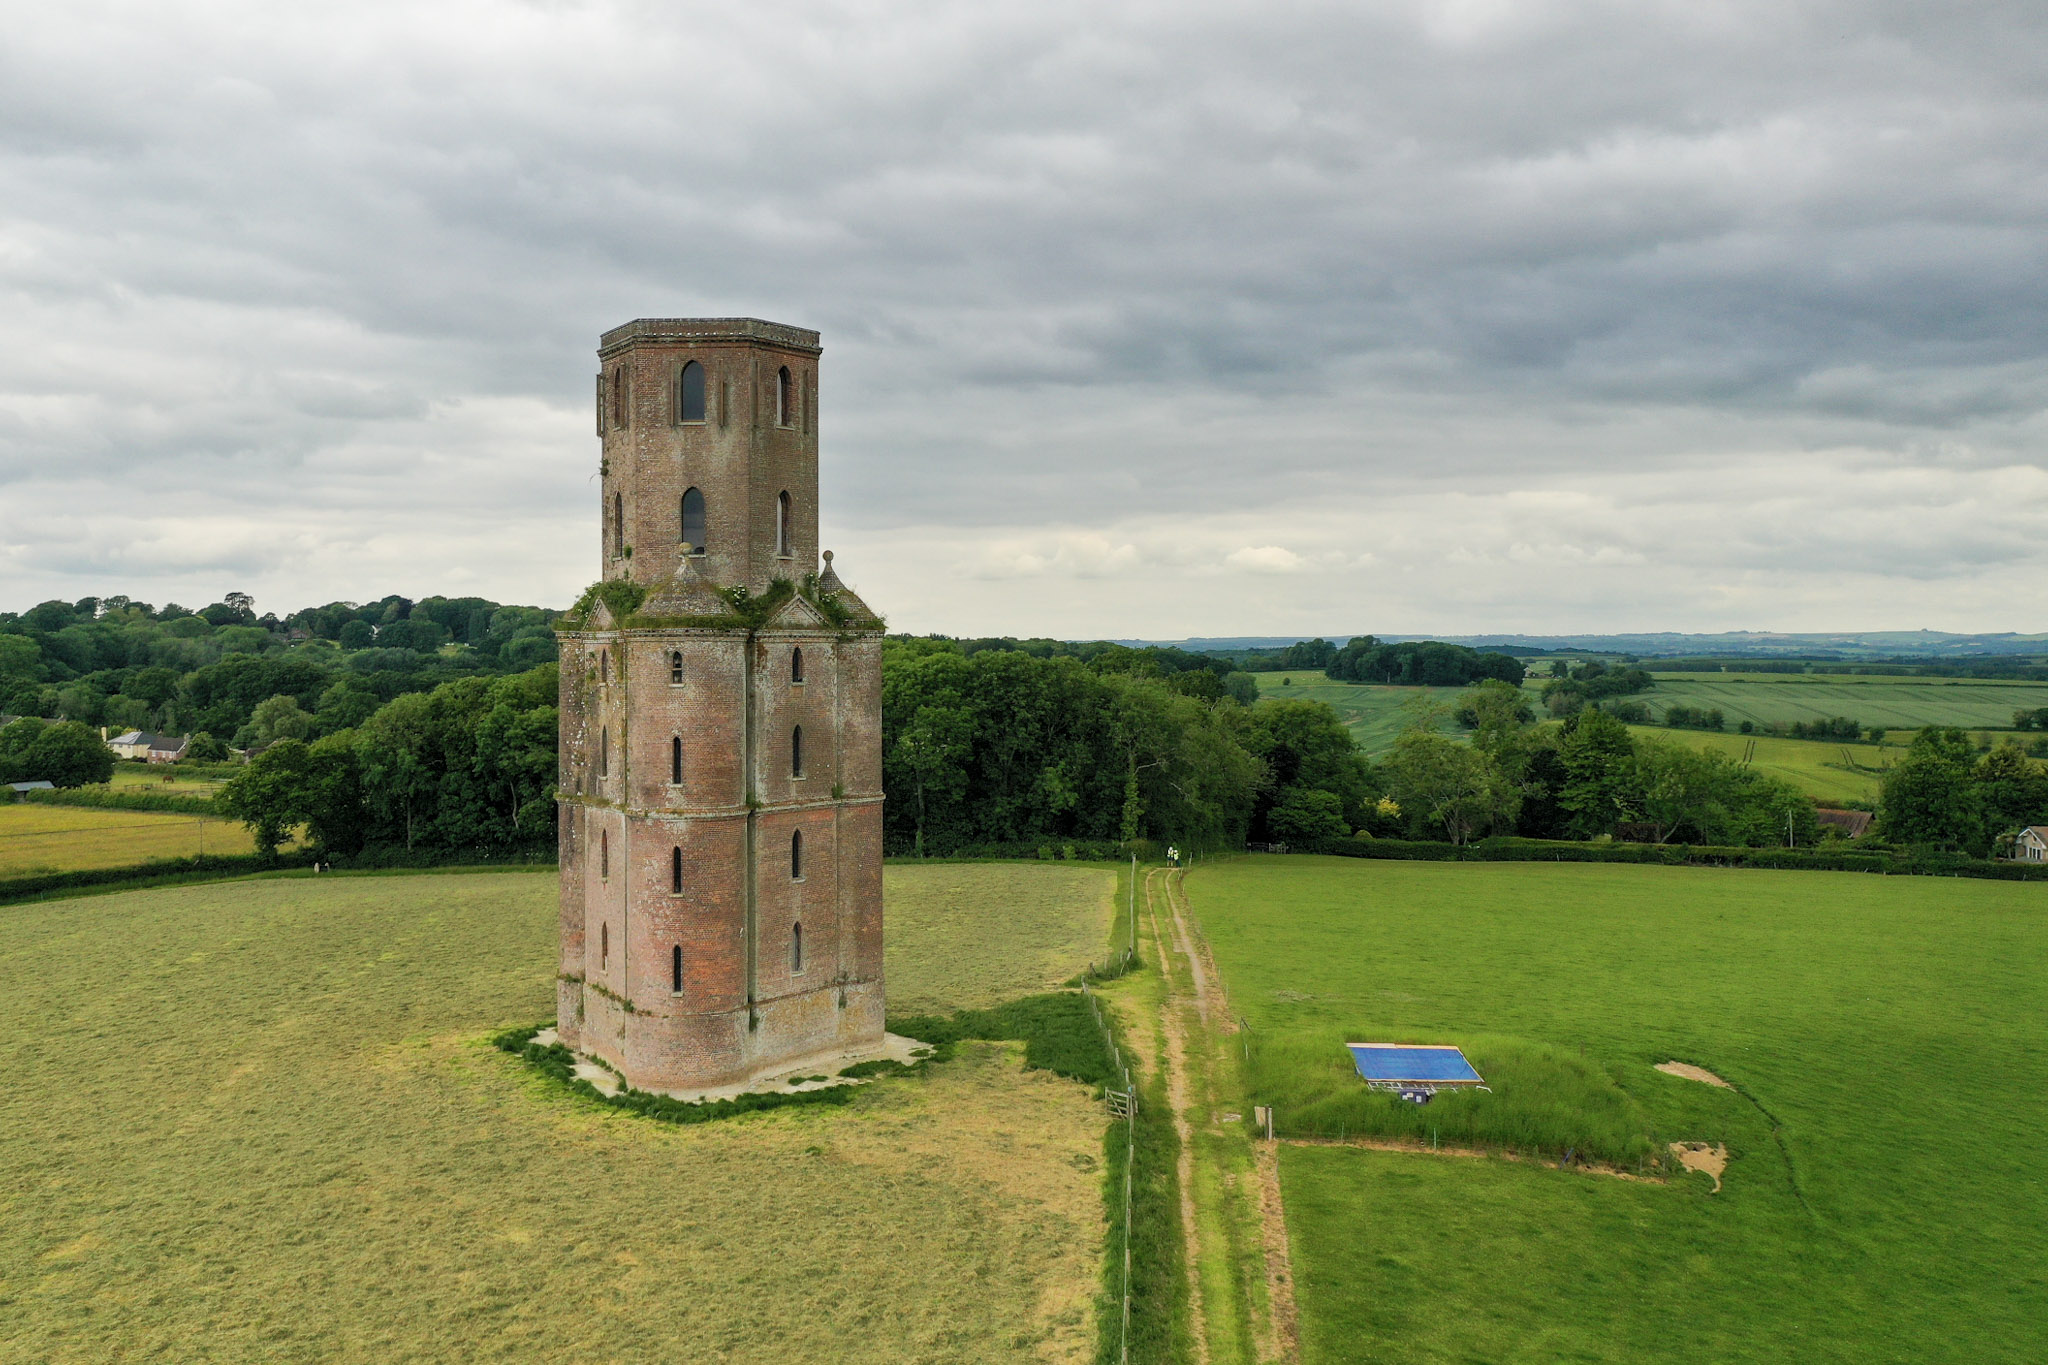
(262, 1121)
(966, 935)
(37, 838)
(1829, 771)
(133, 777)
(1375, 716)
(1890, 703)
(1891, 1026)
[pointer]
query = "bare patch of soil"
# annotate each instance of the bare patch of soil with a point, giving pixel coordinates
(1692, 1073)
(1709, 1157)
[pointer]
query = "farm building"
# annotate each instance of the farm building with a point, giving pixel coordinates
(1854, 824)
(148, 747)
(2032, 845)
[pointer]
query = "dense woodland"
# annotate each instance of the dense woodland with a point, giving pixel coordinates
(446, 741)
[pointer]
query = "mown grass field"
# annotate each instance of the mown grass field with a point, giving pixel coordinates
(967, 935)
(1890, 1025)
(258, 1121)
(1375, 716)
(36, 838)
(1890, 703)
(1829, 771)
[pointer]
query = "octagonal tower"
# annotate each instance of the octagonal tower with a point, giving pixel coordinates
(721, 830)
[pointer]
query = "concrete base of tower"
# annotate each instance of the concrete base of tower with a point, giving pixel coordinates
(681, 1052)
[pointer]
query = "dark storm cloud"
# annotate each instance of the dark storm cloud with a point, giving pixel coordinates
(1087, 274)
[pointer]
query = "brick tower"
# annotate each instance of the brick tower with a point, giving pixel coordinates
(721, 830)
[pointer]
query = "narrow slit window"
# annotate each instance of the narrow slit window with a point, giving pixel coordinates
(692, 531)
(675, 762)
(604, 665)
(619, 397)
(675, 871)
(782, 523)
(604, 854)
(796, 947)
(796, 856)
(604, 945)
(785, 397)
(604, 753)
(675, 969)
(796, 664)
(675, 666)
(618, 524)
(690, 399)
(796, 752)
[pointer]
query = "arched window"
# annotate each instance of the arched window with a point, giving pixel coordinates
(796, 664)
(693, 521)
(796, 752)
(619, 396)
(690, 401)
(604, 753)
(675, 969)
(785, 397)
(782, 523)
(675, 666)
(796, 856)
(604, 945)
(675, 762)
(796, 947)
(675, 872)
(618, 524)
(604, 853)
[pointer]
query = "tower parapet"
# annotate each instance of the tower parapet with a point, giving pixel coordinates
(721, 784)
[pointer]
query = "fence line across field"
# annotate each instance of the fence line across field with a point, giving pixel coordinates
(1124, 1104)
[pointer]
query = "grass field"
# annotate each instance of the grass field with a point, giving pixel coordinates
(35, 838)
(258, 1121)
(1374, 715)
(1891, 703)
(966, 935)
(1829, 771)
(130, 777)
(1890, 1025)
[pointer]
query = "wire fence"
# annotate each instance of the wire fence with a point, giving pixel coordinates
(1124, 1104)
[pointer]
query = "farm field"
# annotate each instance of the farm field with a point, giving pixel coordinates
(1889, 1025)
(1374, 715)
(37, 838)
(278, 1130)
(1892, 703)
(967, 935)
(133, 777)
(1829, 771)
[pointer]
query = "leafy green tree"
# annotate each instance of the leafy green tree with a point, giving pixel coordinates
(204, 748)
(1449, 788)
(2012, 787)
(1243, 687)
(1602, 787)
(1304, 814)
(69, 754)
(1931, 795)
(280, 718)
(1304, 745)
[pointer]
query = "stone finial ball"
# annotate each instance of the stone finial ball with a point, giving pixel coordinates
(828, 556)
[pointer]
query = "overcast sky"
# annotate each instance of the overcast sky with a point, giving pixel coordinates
(1139, 319)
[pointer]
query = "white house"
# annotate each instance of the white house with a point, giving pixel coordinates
(2032, 845)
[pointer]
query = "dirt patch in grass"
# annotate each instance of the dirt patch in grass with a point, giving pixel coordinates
(1693, 1073)
(1382, 1144)
(1709, 1158)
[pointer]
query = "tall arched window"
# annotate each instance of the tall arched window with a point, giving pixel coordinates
(693, 521)
(675, 762)
(604, 853)
(675, 872)
(785, 397)
(796, 856)
(796, 752)
(796, 664)
(618, 523)
(619, 396)
(675, 969)
(675, 666)
(604, 753)
(796, 947)
(782, 523)
(690, 400)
